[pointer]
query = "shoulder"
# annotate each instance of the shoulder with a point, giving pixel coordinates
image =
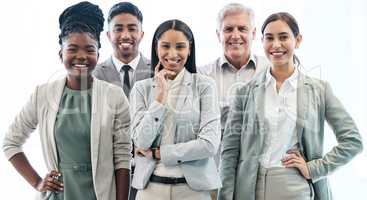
(316, 84)
(262, 62)
(106, 86)
(105, 65)
(203, 82)
(143, 85)
(209, 68)
(145, 62)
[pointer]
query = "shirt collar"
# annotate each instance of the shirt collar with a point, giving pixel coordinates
(292, 80)
(251, 63)
(133, 64)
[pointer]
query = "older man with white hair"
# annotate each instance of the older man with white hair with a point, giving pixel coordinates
(238, 65)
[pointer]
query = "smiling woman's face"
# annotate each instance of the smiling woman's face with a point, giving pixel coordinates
(279, 43)
(79, 54)
(173, 49)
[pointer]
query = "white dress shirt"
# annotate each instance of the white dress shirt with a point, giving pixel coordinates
(280, 119)
(133, 64)
(229, 78)
(169, 129)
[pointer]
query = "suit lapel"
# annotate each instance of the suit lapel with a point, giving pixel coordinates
(186, 92)
(54, 93)
(111, 74)
(97, 99)
(142, 71)
(302, 105)
(259, 102)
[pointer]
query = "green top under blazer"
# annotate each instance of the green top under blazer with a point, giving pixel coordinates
(110, 140)
(245, 133)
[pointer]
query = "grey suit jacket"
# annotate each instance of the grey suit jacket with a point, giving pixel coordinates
(107, 71)
(110, 138)
(197, 133)
(245, 133)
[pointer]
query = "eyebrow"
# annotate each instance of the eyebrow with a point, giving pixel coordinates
(86, 46)
(128, 25)
(165, 42)
(281, 33)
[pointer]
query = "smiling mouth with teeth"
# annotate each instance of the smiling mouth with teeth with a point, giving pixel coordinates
(80, 65)
(126, 44)
(278, 53)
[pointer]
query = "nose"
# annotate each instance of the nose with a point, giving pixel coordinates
(236, 33)
(81, 55)
(172, 53)
(276, 43)
(125, 34)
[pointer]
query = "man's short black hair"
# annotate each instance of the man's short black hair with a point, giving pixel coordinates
(125, 7)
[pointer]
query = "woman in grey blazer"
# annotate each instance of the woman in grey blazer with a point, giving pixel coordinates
(273, 141)
(83, 122)
(175, 124)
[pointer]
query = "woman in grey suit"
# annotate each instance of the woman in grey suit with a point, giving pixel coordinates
(273, 141)
(175, 123)
(83, 122)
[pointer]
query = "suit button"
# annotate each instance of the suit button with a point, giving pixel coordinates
(179, 161)
(156, 119)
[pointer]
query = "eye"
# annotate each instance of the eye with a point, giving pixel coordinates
(181, 46)
(117, 29)
(283, 37)
(132, 29)
(165, 46)
(269, 38)
(71, 49)
(91, 50)
(243, 29)
(228, 29)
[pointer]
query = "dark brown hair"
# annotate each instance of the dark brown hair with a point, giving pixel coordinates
(285, 17)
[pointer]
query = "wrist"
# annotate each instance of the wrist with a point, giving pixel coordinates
(155, 153)
(36, 184)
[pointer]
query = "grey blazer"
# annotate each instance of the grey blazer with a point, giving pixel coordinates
(107, 71)
(245, 133)
(110, 139)
(197, 135)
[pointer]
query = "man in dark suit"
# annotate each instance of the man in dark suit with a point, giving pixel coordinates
(126, 65)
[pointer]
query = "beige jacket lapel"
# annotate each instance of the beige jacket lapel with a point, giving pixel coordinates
(53, 97)
(96, 111)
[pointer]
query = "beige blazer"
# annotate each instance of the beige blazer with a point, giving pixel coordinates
(110, 139)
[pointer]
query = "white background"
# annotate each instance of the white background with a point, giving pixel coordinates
(334, 48)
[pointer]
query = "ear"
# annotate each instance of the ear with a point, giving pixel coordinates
(108, 35)
(142, 35)
(60, 55)
(254, 33)
(218, 35)
(298, 40)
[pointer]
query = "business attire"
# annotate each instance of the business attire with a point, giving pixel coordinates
(102, 126)
(189, 132)
(250, 155)
(112, 70)
(228, 78)
(116, 72)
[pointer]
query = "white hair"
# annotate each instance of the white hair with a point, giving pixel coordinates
(235, 8)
